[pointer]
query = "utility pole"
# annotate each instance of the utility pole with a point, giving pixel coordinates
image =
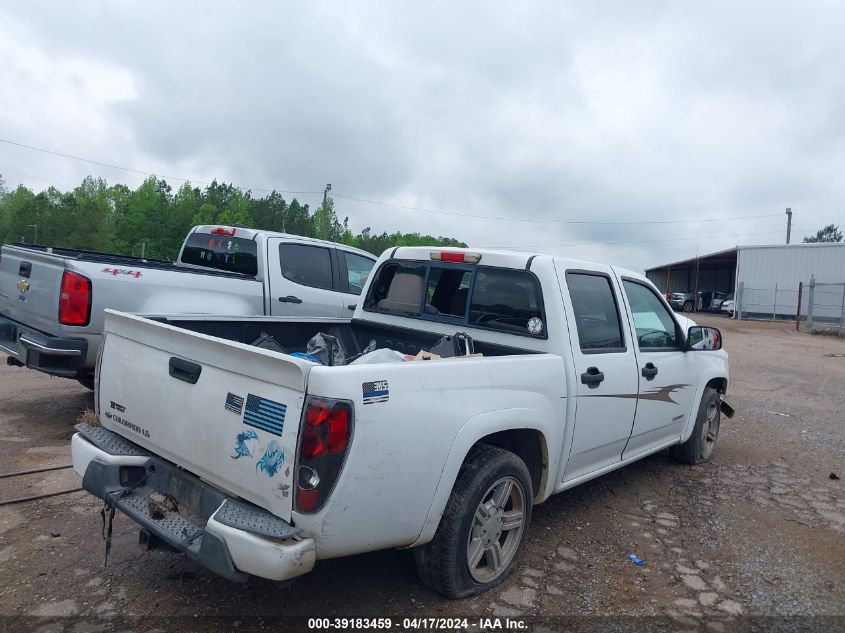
(325, 193)
(788, 223)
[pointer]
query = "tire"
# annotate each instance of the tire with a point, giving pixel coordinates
(687, 306)
(473, 521)
(701, 444)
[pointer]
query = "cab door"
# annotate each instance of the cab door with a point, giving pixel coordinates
(303, 279)
(605, 369)
(666, 373)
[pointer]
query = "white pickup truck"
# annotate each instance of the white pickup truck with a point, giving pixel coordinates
(268, 462)
(52, 299)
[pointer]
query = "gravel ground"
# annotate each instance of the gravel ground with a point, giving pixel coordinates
(757, 532)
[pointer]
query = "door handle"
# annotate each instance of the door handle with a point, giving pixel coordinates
(649, 371)
(352, 306)
(592, 377)
(290, 299)
(185, 370)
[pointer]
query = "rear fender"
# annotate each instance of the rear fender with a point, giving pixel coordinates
(470, 434)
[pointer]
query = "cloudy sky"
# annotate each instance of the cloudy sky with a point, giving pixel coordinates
(541, 115)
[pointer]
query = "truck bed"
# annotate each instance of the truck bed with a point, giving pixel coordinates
(122, 260)
(354, 335)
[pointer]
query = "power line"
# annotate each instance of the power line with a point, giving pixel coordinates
(512, 219)
(397, 206)
(670, 239)
(135, 171)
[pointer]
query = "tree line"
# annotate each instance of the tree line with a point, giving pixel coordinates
(116, 219)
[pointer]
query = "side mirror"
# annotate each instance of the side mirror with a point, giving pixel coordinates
(701, 338)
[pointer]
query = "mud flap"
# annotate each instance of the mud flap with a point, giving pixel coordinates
(727, 409)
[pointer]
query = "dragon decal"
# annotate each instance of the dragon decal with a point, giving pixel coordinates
(242, 449)
(273, 459)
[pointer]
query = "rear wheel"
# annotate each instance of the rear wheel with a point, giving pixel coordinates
(701, 444)
(483, 528)
(688, 306)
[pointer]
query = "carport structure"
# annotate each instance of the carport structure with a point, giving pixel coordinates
(715, 272)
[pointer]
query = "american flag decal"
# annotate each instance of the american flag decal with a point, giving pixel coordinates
(234, 403)
(376, 391)
(264, 414)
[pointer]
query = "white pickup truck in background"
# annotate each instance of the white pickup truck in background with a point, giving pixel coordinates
(52, 299)
(268, 462)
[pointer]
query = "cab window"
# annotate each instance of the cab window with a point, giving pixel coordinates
(306, 265)
(357, 270)
(596, 313)
(655, 327)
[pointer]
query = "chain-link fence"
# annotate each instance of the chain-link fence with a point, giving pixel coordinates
(822, 308)
(768, 304)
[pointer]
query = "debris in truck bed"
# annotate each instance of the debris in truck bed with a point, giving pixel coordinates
(327, 349)
(382, 355)
(265, 341)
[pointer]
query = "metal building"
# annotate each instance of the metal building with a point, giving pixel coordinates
(765, 279)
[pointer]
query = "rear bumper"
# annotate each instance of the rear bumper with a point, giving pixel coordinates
(36, 350)
(228, 536)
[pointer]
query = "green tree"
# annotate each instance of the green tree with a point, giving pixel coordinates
(87, 212)
(326, 224)
(15, 214)
(207, 214)
(298, 220)
(118, 219)
(269, 213)
(830, 233)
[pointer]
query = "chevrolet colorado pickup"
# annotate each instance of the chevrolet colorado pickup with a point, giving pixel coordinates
(52, 299)
(271, 462)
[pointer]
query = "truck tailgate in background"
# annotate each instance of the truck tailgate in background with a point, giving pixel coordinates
(30, 283)
(225, 411)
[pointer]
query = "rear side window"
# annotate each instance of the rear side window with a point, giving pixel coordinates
(231, 254)
(507, 300)
(498, 299)
(596, 312)
(306, 265)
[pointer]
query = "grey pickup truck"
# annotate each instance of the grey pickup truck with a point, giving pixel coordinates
(52, 299)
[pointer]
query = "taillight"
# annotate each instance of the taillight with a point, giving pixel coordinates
(461, 258)
(74, 299)
(324, 439)
(223, 230)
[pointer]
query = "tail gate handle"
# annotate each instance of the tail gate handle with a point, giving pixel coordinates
(185, 370)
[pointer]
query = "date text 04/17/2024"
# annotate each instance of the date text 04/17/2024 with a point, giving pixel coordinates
(419, 624)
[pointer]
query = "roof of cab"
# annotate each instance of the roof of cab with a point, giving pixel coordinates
(250, 234)
(499, 259)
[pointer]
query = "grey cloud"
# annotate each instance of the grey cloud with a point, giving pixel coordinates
(541, 110)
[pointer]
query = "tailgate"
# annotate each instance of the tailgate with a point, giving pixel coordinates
(225, 411)
(29, 287)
